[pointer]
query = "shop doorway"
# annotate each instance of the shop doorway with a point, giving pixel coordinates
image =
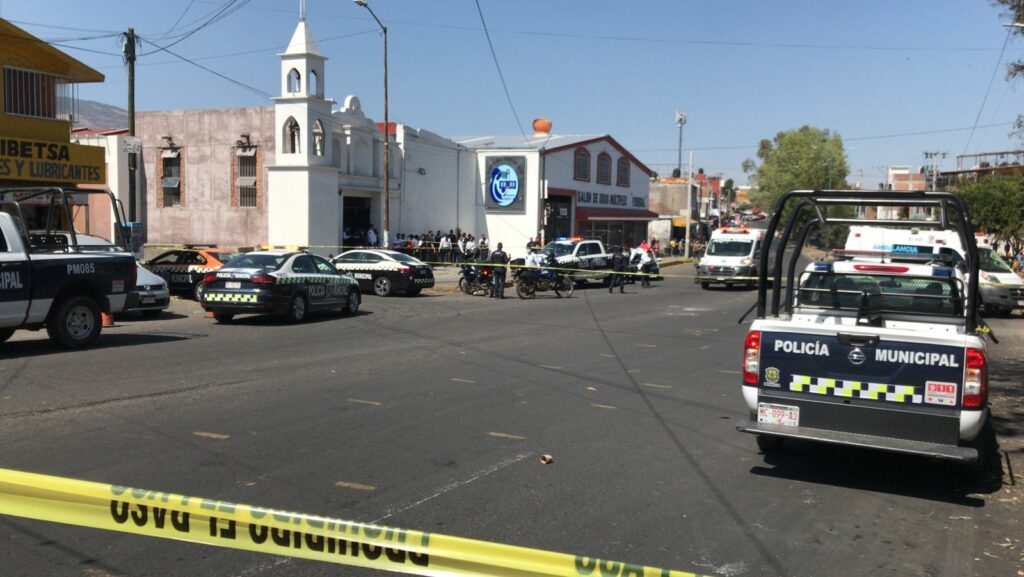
(558, 210)
(356, 216)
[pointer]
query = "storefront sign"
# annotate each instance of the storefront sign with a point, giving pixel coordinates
(50, 162)
(504, 184)
(605, 199)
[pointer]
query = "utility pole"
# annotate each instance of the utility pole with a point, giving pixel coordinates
(689, 206)
(680, 120)
(129, 57)
(933, 156)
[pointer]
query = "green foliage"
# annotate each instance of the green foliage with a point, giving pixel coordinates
(1013, 9)
(996, 204)
(805, 158)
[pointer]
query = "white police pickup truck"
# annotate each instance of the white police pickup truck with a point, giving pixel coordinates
(582, 259)
(879, 351)
(46, 281)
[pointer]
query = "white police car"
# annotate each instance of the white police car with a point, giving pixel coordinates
(290, 284)
(386, 272)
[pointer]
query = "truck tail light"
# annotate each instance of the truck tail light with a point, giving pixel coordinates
(263, 279)
(751, 357)
(975, 379)
(209, 278)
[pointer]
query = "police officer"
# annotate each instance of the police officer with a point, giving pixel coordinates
(499, 258)
(619, 264)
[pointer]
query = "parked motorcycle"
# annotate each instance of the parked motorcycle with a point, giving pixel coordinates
(531, 281)
(475, 280)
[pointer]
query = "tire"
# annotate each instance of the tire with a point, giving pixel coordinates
(382, 286)
(197, 291)
(223, 318)
(768, 444)
(464, 286)
(151, 313)
(352, 302)
(704, 286)
(75, 323)
(5, 334)
(297, 311)
(524, 291)
(563, 287)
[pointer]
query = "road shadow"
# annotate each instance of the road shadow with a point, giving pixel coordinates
(890, 473)
(1006, 397)
(108, 340)
(137, 316)
(274, 320)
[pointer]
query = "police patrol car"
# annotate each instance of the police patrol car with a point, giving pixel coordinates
(731, 257)
(588, 259)
(874, 351)
(45, 280)
(184, 269)
(291, 284)
(386, 272)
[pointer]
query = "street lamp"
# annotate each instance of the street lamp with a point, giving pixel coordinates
(387, 128)
(680, 120)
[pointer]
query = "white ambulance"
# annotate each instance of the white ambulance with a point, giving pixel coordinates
(731, 257)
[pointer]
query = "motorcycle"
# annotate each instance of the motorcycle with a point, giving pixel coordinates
(531, 281)
(475, 280)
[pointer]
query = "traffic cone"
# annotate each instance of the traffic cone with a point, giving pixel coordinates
(209, 314)
(107, 319)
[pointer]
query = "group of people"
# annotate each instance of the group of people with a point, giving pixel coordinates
(432, 246)
(626, 259)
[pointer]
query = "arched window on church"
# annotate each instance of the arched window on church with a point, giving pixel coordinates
(291, 137)
(294, 81)
(314, 83)
(318, 138)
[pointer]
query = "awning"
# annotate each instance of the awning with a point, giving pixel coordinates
(169, 153)
(246, 181)
(594, 214)
(245, 151)
(171, 181)
(679, 221)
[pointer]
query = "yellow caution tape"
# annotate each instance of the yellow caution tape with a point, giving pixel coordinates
(234, 526)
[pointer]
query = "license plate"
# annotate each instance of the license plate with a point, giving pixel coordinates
(1021, 302)
(720, 278)
(233, 284)
(778, 414)
(148, 300)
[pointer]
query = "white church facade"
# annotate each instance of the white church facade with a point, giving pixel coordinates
(301, 172)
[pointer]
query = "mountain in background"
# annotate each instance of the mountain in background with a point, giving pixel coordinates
(93, 114)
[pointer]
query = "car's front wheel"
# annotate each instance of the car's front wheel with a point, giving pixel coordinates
(382, 286)
(352, 303)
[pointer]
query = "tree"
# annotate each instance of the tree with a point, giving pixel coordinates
(805, 158)
(996, 203)
(1014, 9)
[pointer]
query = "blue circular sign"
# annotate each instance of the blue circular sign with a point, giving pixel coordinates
(504, 186)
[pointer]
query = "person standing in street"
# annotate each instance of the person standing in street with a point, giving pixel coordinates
(499, 261)
(619, 264)
(646, 258)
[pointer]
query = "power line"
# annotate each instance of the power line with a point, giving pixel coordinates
(999, 62)
(494, 55)
(227, 9)
(178, 21)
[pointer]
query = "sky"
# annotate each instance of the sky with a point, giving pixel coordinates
(893, 79)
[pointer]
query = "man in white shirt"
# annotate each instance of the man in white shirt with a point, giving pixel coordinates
(371, 236)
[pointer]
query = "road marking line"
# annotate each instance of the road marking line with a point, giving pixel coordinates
(356, 486)
(591, 389)
(607, 355)
(553, 367)
(600, 406)
(506, 436)
(646, 345)
(362, 402)
(457, 380)
(456, 484)
(656, 386)
(217, 436)
(731, 372)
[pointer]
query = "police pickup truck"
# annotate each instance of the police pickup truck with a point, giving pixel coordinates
(47, 281)
(881, 350)
(582, 259)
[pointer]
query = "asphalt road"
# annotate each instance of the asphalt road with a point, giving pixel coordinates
(432, 413)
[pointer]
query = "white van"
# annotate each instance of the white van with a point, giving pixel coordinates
(1000, 289)
(731, 257)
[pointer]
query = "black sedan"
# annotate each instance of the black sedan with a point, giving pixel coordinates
(290, 284)
(386, 272)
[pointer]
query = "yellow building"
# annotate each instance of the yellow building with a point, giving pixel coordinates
(37, 106)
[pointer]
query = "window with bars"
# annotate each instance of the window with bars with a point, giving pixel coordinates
(581, 165)
(622, 176)
(171, 178)
(246, 182)
(29, 93)
(604, 168)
